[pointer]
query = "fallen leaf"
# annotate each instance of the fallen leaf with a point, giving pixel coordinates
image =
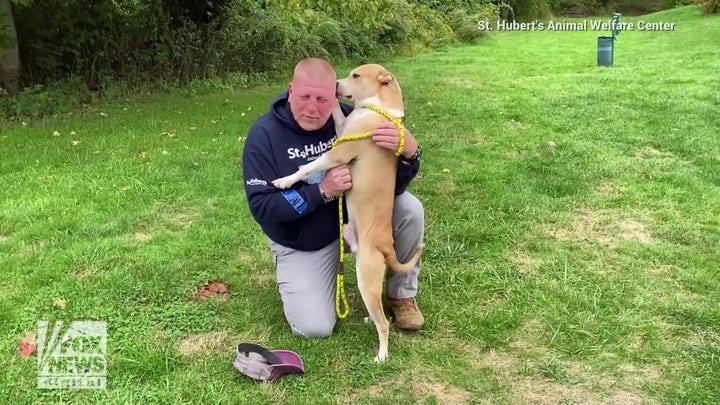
(419, 176)
(72, 133)
(56, 133)
(27, 345)
(446, 170)
(212, 288)
(75, 143)
(60, 303)
(102, 114)
(24, 123)
(551, 144)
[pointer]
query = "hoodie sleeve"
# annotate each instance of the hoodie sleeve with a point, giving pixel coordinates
(267, 203)
(405, 174)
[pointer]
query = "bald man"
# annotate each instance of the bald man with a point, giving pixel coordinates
(301, 223)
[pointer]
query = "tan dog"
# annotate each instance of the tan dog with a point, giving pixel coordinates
(371, 198)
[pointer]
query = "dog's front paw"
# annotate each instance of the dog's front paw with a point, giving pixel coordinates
(284, 182)
(381, 357)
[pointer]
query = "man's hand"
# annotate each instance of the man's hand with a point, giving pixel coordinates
(336, 181)
(387, 136)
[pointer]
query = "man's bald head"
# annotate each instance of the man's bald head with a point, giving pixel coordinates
(311, 93)
(314, 69)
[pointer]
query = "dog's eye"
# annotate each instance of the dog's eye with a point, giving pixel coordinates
(355, 75)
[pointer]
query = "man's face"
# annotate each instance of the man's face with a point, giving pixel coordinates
(311, 101)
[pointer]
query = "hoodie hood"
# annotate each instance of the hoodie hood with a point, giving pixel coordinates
(280, 107)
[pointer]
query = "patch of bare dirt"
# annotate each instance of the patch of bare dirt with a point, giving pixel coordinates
(649, 151)
(443, 393)
(475, 139)
(532, 390)
(604, 227)
(512, 154)
(526, 338)
(514, 369)
(498, 360)
(262, 277)
(606, 189)
(446, 187)
(142, 236)
(221, 341)
(204, 343)
(635, 231)
(461, 82)
(376, 389)
(173, 222)
(525, 263)
(244, 257)
(182, 220)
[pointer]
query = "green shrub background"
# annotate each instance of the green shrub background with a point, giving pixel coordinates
(75, 50)
(80, 49)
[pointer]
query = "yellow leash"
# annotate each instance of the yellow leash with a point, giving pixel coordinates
(340, 296)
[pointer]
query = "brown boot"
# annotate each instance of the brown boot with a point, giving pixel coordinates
(406, 313)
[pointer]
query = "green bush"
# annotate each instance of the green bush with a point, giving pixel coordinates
(429, 29)
(710, 6)
(115, 46)
(40, 100)
(259, 40)
(676, 3)
(464, 22)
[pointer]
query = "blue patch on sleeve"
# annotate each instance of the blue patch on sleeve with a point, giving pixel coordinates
(296, 200)
(315, 178)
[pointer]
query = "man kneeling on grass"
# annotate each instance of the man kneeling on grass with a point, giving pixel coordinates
(302, 223)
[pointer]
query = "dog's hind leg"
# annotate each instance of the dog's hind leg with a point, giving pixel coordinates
(350, 237)
(371, 272)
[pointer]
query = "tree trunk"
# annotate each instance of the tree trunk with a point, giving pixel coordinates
(9, 58)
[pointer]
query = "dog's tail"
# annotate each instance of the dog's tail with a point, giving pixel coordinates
(392, 261)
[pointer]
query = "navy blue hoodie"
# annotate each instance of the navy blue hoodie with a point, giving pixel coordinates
(276, 146)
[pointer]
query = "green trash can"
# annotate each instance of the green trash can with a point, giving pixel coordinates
(605, 51)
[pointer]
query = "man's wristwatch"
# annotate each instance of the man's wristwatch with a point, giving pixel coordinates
(415, 156)
(324, 196)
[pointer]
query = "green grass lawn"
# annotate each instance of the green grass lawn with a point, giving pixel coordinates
(572, 242)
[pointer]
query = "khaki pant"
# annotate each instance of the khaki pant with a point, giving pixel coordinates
(307, 279)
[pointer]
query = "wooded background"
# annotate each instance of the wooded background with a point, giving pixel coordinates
(95, 42)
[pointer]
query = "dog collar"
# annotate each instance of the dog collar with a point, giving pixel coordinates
(397, 121)
(384, 113)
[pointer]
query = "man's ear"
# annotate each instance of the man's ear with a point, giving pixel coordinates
(387, 79)
(289, 88)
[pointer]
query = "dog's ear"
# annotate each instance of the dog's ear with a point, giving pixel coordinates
(387, 79)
